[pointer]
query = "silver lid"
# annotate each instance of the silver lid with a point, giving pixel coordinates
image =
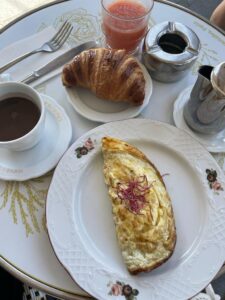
(172, 42)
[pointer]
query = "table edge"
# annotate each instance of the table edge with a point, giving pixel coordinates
(8, 266)
(37, 283)
(166, 2)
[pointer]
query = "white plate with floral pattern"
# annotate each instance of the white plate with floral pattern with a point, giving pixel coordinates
(85, 240)
(34, 162)
(95, 109)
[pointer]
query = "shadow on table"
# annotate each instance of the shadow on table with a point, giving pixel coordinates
(10, 287)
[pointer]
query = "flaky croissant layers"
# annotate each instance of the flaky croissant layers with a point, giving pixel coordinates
(109, 74)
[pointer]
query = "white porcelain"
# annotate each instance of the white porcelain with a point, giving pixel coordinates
(85, 240)
(33, 260)
(212, 142)
(36, 161)
(91, 107)
(29, 140)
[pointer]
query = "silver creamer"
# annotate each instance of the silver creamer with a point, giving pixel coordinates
(204, 112)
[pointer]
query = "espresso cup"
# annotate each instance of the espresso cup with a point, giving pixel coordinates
(22, 116)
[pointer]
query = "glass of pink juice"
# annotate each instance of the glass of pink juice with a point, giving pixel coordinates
(125, 22)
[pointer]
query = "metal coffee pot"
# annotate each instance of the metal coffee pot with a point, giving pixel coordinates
(205, 110)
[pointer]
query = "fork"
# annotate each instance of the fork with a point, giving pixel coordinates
(51, 46)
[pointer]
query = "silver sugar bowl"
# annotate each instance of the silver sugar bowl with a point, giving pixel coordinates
(169, 51)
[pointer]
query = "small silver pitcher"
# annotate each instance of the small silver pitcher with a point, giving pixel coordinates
(205, 110)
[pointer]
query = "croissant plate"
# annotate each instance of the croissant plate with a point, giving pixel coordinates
(109, 74)
(141, 206)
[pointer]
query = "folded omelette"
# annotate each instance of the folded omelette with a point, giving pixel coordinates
(141, 206)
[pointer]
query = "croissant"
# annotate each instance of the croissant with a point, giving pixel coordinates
(109, 74)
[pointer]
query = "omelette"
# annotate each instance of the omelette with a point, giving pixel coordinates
(141, 207)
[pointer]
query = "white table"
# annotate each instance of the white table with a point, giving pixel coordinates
(25, 250)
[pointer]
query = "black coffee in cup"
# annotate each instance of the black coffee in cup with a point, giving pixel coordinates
(18, 116)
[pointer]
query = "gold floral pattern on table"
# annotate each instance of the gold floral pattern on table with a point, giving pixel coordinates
(210, 31)
(14, 8)
(85, 25)
(207, 56)
(24, 200)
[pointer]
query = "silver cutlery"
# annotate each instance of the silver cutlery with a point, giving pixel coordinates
(59, 61)
(50, 46)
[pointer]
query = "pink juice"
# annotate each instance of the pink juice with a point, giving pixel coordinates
(125, 24)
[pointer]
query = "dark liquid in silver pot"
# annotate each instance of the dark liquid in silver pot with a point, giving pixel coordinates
(172, 43)
(18, 116)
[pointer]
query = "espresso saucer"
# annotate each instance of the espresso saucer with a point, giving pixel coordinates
(34, 162)
(212, 142)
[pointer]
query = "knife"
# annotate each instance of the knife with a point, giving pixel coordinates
(59, 61)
